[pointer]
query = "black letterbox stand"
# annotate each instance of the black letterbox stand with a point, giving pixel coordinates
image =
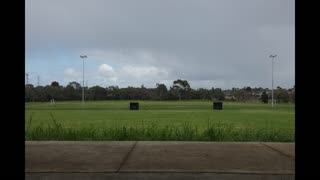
(134, 106)
(217, 105)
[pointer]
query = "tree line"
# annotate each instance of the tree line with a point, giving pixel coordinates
(180, 90)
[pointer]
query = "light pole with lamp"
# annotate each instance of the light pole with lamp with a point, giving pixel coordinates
(272, 56)
(84, 56)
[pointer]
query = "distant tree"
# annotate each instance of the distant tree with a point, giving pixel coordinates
(293, 94)
(55, 83)
(195, 94)
(293, 97)
(143, 93)
(204, 93)
(54, 92)
(218, 94)
(97, 93)
(75, 85)
(69, 93)
(40, 94)
(172, 94)
(113, 92)
(181, 88)
(281, 95)
(211, 93)
(161, 90)
(29, 92)
(264, 97)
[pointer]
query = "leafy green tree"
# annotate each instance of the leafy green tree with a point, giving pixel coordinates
(264, 97)
(69, 93)
(194, 94)
(29, 92)
(97, 93)
(218, 94)
(181, 88)
(75, 85)
(281, 95)
(161, 90)
(55, 83)
(204, 93)
(41, 94)
(293, 97)
(54, 92)
(113, 92)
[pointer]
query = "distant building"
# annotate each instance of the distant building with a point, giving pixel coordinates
(229, 96)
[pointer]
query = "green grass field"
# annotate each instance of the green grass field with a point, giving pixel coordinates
(156, 120)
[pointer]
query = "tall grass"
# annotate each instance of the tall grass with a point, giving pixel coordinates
(214, 131)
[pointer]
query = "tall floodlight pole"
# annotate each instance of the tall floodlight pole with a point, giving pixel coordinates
(272, 58)
(83, 77)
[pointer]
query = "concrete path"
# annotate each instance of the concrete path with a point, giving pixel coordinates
(159, 160)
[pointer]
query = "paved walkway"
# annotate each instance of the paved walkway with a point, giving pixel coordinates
(159, 160)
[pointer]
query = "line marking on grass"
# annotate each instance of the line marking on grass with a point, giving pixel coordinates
(126, 157)
(277, 150)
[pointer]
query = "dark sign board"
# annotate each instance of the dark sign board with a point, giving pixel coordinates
(217, 105)
(134, 106)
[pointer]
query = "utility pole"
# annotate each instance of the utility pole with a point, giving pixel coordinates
(84, 56)
(272, 56)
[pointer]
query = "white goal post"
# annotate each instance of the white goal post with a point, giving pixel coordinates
(52, 101)
(270, 101)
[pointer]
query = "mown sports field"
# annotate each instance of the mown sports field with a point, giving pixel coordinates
(159, 120)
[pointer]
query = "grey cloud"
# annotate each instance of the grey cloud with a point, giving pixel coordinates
(219, 40)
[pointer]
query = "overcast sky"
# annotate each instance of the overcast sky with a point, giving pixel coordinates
(210, 43)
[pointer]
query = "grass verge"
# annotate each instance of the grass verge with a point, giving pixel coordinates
(217, 131)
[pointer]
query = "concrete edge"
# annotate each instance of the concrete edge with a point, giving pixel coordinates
(73, 142)
(170, 172)
(209, 171)
(228, 142)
